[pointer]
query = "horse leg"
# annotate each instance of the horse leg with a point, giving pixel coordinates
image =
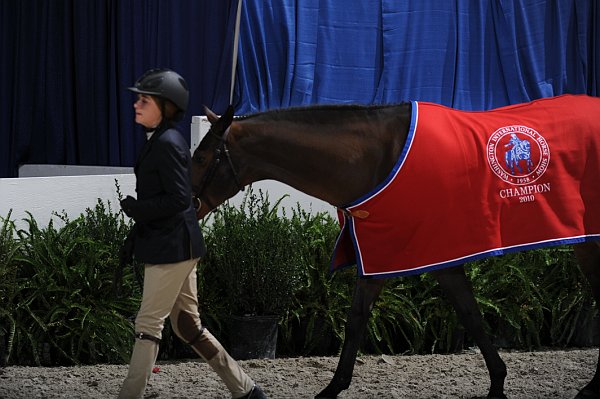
(588, 256)
(459, 292)
(366, 292)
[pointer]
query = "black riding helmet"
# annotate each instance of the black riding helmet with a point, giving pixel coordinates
(165, 84)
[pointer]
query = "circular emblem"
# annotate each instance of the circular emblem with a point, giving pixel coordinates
(518, 154)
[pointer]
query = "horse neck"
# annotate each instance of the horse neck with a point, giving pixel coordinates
(336, 163)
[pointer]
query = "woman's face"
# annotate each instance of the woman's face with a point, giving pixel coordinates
(147, 112)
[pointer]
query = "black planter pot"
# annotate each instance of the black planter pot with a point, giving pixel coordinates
(252, 337)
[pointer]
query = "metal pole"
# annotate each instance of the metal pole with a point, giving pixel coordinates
(236, 38)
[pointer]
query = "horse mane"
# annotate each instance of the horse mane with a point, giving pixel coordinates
(329, 109)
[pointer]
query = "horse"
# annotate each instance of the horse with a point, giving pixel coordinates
(340, 153)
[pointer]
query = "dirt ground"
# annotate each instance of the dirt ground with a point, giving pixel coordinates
(546, 374)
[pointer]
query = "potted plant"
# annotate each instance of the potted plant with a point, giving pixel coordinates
(251, 271)
(314, 324)
(9, 247)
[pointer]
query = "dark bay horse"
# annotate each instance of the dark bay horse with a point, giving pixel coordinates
(337, 154)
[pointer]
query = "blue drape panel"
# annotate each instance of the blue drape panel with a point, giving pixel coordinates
(470, 55)
(66, 65)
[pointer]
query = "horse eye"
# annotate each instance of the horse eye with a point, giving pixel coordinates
(197, 157)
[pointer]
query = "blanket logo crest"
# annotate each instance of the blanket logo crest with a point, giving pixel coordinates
(518, 154)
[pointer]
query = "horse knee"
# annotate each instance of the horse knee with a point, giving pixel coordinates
(189, 329)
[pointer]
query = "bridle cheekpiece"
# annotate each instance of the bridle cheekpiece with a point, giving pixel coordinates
(220, 150)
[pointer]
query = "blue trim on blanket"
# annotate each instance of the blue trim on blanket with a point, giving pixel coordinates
(348, 221)
(335, 247)
(403, 155)
(483, 255)
(348, 225)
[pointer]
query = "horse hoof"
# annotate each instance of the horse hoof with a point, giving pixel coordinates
(325, 395)
(586, 393)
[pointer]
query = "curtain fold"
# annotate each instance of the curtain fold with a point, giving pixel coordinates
(471, 55)
(66, 65)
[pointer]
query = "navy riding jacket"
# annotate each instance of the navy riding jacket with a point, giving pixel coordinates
(167, 230)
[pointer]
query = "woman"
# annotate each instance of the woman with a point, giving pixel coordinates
(168, 239)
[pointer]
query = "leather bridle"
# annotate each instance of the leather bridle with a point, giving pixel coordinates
(220, 151)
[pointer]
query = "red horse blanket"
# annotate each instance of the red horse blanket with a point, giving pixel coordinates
(470, 185)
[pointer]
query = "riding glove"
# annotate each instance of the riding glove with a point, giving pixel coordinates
(129, 206)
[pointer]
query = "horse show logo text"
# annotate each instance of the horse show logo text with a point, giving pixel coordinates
(519, 155)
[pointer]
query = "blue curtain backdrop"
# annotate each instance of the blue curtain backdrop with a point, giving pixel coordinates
(65, 64)
(471, 55)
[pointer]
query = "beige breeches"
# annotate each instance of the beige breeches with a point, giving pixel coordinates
(170, 290)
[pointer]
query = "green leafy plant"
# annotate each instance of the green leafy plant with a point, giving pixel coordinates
(59, 305)
(537, 297)
(568, 298)
(9, 249)
(510, 299)
(528, 300)
(62, 310)
(423, 321)
(252, 260)
(314, 324)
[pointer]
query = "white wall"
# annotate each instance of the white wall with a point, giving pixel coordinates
(54, 188)
(41, 196)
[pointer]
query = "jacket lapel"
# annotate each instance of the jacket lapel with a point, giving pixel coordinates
(147, 146)
(143, 153)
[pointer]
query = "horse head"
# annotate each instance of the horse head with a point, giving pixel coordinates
(214, 177)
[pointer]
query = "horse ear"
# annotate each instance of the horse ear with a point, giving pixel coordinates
(212, 117)
(227, 117)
